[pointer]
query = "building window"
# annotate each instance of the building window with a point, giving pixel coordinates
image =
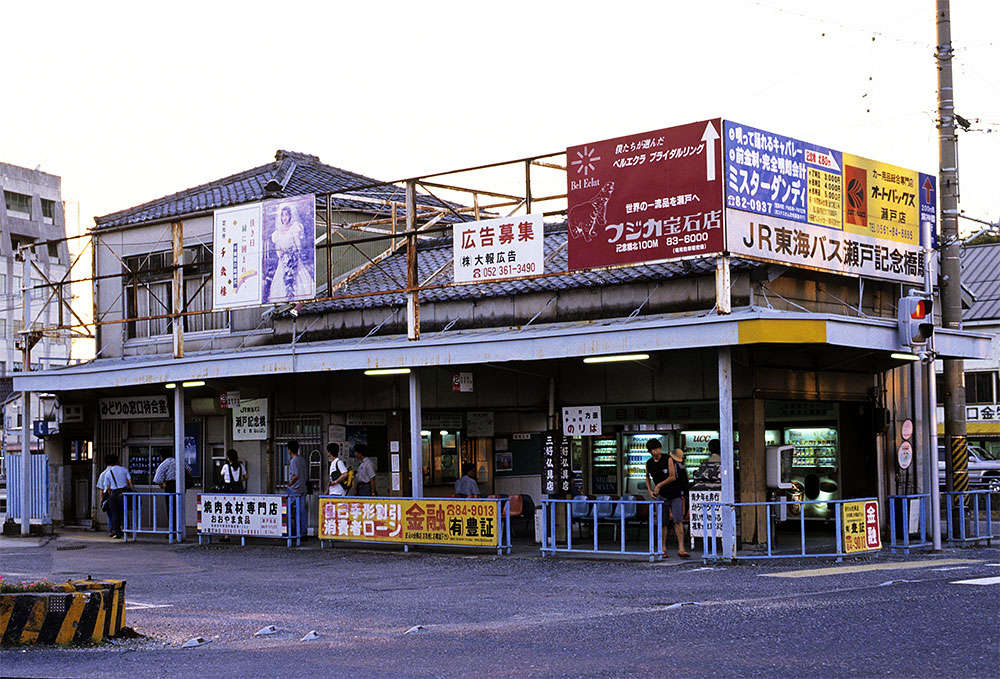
(979, 387)
(48, 211)
(53, 251)
(149, 290)
(18, 204)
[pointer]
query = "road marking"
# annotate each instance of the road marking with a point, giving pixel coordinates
(979, 581)
(863, 568)
(137, 606)
(951, 568)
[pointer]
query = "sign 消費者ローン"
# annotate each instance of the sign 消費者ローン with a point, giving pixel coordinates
(506, 247)
(250, 515)
(133, 407)
(645, 197)
(860, 526)
(581, 421)
(811, 206)
(430, 521)
(250, 420)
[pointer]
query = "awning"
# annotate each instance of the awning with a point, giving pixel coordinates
(665, 332)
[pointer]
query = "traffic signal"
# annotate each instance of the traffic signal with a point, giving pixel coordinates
(916, 320)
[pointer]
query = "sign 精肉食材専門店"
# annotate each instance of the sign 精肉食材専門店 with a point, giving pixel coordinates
(432, 521)
(256, 515)
(646, 197)
(810, 206)
(506, 247)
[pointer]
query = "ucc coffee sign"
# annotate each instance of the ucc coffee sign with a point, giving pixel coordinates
(644, 197)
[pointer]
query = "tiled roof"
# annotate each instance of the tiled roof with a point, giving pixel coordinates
(981, 275)
(291, 174)
(435, 256)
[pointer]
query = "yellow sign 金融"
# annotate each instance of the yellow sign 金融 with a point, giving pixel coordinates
(439, 521)
(881, 200)
(860, 526)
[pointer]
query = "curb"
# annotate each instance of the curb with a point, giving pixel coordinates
(84, 611)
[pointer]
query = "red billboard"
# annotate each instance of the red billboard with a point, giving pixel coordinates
(646, 197)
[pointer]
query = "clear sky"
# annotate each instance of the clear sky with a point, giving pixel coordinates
(131, 101)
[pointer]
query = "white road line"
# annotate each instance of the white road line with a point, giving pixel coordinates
(951, 568)
(137, 606)
(978, 581)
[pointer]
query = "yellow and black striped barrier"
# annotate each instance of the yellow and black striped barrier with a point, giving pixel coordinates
(960, 463)
(79, 612)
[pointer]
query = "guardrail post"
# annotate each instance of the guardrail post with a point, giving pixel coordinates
(838, 533)
(802, 526)
(621, 506)
(768, 513)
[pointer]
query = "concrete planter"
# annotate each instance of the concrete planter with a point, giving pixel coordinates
(82, 611)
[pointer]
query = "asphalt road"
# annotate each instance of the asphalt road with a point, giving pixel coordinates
(518, 616)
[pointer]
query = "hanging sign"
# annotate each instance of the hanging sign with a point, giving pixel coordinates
(236, 274)
(907, 429)
(461, 382)
(479, 424)
(904, 455)
(699, 528)
(250, 420)
(506, 247)
(581, 421)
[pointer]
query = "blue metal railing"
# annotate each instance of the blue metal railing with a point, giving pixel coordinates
(293, 506)
(142, 515)
(710, 550)
(38, 492)
(969, 527)
(901, 505)
(503, 512)
(605, 511)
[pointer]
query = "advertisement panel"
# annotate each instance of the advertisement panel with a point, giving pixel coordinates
(498, 248)
(442, 521)
(697, 514)
(256, 515)
(810, 206)
(133, 407)
(860, 526)
(264, 253)
(289, 257)
(236, 273)
(646, 197)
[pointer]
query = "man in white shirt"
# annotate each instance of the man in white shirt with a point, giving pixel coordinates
(112, 483)
(338, 470)
(364, 479)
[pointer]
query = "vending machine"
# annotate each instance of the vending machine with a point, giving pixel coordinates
(604, 465)
(636, 455)
(815, 467)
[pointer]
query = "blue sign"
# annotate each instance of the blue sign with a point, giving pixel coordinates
(927, 188)
(779, 176)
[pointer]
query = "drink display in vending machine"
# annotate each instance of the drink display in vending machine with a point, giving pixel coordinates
(815, 467)
(636, 455)
(604, 465)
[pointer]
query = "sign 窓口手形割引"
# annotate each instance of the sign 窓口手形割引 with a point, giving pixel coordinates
(432, 521)
(646, 197)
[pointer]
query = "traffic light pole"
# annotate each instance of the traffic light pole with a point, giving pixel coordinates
(950, 274)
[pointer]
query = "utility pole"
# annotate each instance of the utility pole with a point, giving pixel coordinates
(950, 274)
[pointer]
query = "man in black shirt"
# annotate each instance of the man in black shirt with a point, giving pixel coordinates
(666, 480)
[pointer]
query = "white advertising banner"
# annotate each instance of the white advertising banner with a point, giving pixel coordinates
(698, 526)
(250, 420)
(256, 515)
(236, 268)
(581, 421)
(804, 245)
(498, 248)
(134, 408)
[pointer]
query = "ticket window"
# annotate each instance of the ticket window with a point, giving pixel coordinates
(479, 451)
(442, 456)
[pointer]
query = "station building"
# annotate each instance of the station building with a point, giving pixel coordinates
(724, 347)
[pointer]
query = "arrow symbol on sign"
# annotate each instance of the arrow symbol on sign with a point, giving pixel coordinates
(928, 186)
(709, 137)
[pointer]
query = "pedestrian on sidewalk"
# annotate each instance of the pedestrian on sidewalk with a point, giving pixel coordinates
(112, 483)
(298, 487)
(364, 477)
(666, 481)
(339, 473)
(233, 474)
(166, 478)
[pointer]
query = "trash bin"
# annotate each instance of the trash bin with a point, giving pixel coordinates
(560, 524)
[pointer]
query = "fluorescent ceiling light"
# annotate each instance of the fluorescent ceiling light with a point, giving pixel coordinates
(388, 371)
(170, 385)
(193, 383)
(615, 359)
(904, 357)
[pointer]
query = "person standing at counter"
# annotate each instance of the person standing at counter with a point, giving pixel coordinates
(364, 478)
(466, 485)
(666, 480)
